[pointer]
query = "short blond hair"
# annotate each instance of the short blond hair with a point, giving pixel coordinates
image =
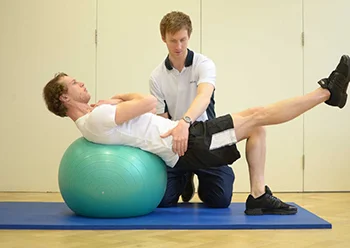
(174, 22)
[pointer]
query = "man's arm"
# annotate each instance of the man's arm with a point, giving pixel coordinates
(133, 105)
(128, 97)
(165, 115)
(156, 92)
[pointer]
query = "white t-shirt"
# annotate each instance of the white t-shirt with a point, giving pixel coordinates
(179, 89)
(143, 132)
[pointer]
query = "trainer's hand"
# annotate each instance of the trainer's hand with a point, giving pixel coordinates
(108, 101)
(180, 137)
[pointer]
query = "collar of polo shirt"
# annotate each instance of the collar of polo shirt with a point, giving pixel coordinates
(188, 61)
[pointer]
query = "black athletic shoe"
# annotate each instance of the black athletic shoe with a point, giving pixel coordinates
(268, 204)
(337, 83)
(188, 192)
(268, 190)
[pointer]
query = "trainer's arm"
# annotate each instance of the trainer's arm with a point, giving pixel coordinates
(205, 89)
(201, 101)
(133, 105)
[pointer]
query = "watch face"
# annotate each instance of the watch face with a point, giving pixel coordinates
(187, 119)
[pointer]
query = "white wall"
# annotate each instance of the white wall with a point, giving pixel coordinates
(39, 38)
(257, 49)
(130, 45)
(327, 136)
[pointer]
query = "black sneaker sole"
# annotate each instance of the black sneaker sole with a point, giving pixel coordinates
(343, 100)
(345, 95)
(345, 60)
(261, 211)
(348, 64)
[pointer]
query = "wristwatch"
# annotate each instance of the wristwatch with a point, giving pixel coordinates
(187, 119)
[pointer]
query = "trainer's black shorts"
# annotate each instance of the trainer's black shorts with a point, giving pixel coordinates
(210, 144)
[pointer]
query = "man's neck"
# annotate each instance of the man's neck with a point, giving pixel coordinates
(178, 63)
(78, 110)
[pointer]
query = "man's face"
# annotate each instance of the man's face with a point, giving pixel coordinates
(76, 91)
(177, 43)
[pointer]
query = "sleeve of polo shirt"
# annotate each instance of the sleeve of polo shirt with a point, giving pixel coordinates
(207, 72)
(157, 93)
(102, 119)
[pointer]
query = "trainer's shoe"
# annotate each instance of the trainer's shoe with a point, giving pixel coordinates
(337, 83)
(188, 192)
(268, 204)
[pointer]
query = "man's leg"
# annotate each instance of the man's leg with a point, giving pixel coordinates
(277, 113)
(333, 92)
(256, 156)
(261, 200)
(216, 186)
(175, 186)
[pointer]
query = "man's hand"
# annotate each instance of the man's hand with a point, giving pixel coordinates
(153, 111)
(108, 101)
(180, 137)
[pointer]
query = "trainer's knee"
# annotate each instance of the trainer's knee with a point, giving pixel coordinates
(171, 195)
(175, 184)
(217, 197)
(216, 200)
(168, 201)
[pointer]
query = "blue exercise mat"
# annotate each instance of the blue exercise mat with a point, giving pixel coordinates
(56, 215)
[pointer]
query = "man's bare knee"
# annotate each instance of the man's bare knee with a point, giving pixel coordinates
(258, 132)
(259, 116)
(249, 111)
(248, 122)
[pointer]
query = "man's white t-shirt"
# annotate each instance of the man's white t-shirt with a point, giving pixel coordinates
(143, 132)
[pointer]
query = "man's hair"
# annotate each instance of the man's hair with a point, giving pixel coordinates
(52, 92)
(174, 22)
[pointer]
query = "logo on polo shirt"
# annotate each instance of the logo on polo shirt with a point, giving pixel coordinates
(194, 81)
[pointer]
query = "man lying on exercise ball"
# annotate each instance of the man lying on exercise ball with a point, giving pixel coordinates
(129, 119)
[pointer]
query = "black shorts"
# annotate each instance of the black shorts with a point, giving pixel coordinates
(210, 144)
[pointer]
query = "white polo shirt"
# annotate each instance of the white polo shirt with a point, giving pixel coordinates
(175, 91)
(143, 131)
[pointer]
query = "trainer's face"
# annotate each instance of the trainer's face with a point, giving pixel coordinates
(76, 91)
(177, 43)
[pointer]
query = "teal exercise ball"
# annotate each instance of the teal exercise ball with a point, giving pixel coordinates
(110, 181)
